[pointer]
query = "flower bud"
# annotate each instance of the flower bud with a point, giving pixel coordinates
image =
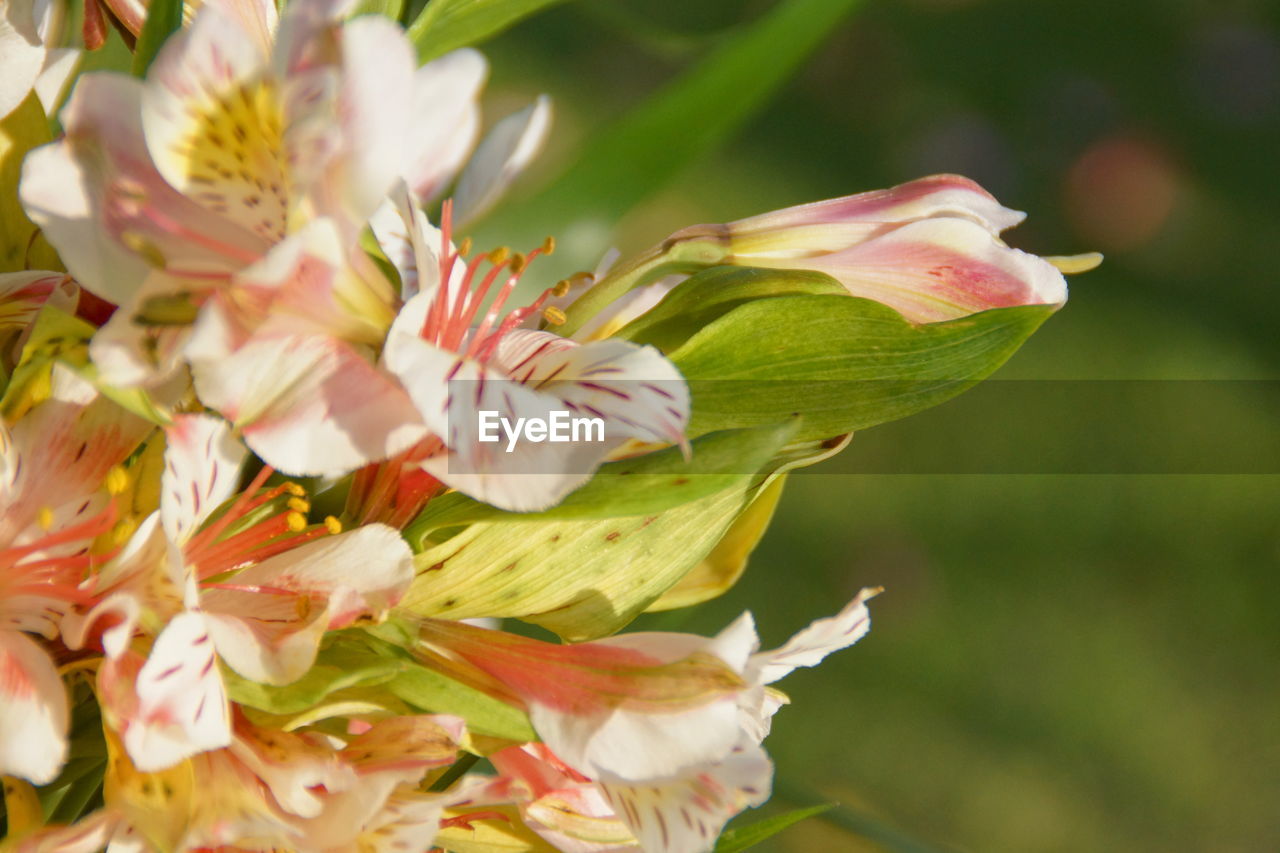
(930, 248)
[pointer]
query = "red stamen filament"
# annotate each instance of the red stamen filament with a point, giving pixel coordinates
(243, 504)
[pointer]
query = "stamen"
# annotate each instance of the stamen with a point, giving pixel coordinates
(554, 316)
(117, 480)
(237, 510)
(333, 525)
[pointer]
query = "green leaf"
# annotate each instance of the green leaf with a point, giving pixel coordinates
(446, 25)
(485, 715)
(583, 578)
(387, 8)
(346, 662)
(643, 485)
(744, 837)
(163, 18)
(709, 295)
(352, 661)
(841, 362)
(635, 157)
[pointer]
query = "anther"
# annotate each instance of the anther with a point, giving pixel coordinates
(296, 521)
(45, 518)
(518, 263)
(554, 315)
(464, 248)
(561, 289)
(499, 256)
(298, 505)
(332, 524)
(121, 532)
(295, 490)
(117, 480)
(549, 246)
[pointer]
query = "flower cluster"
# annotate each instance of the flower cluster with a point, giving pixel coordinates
(249, 517)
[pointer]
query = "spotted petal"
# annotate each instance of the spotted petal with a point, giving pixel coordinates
(182, 706)
(686, 815)
(201, 470)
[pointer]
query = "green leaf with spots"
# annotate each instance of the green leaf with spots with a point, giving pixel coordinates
(703, 298)
(841, 362)
(446, 25)
(583, 578)
(643, 485)
(744, 837)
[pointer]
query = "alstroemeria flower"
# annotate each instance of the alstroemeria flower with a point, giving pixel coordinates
(930, 248)
(53, 463)
(653, 737)
(257, 586)
(456, 361)
(164, 189)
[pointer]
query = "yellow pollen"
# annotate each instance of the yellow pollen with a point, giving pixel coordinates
(332, 524)
(554, 315)
(45, 518)
(518, 263)
(464, 248)
(549, 246)
(499, 256)
(121, 531)
(1072, 264)
(561, 289)
(296, 521)
(117, 480)
(299, 505)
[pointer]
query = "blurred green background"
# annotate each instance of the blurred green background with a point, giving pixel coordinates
(1060, 662)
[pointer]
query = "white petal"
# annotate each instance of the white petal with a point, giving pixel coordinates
(378, 65)
(821, 638)
(22, 54)
(182, 705)
(51, 85)
(264, 637)
(33, 711)
(363, 571)
(309, 405)
(631, 746)
(201, 470)
(501, 157)
(446, 120)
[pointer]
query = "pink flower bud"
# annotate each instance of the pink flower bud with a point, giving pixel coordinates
(930, 248)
